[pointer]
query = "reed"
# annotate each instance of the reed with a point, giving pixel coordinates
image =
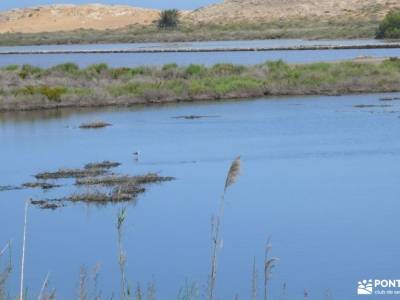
(216, 242)
(95, 275)
(5, 274)
(254, 281)
(82, 295)
(21, 292)
(45, 284)
(122, 258)
(189, 292)
(269, 264)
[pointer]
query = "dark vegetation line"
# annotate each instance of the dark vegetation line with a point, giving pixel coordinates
(189, 32)
(31, 88)
(189, 50)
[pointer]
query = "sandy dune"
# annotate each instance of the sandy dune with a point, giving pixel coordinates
(70, 17)
(273, 10)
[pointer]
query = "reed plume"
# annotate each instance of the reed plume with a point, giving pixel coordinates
(233, 173)
(269, 264)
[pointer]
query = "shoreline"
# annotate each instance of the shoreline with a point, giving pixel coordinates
(143, 103)
(194, 50)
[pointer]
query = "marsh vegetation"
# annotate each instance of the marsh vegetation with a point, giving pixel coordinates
(105, 186)
(27, 87)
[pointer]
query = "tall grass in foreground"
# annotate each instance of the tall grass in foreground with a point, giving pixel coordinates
(125, 292)
(269, 264)
(231, 178)
(4, 274)
(88, 290)
(21, 292)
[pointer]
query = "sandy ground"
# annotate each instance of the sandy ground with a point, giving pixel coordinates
(53, 18)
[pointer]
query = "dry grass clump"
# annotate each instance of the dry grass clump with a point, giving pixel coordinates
(108, 188)
(91, 197)
(42, 185)
(190, 117)
(102, 165)
(126, 192)
(389, 98)
(47, 204)
(113, 180)
(70, 173)
(94, 125)
(370, 105)
(120, 193)
(4, 188)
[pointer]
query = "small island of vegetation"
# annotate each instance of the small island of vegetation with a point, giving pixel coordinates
(30, 88)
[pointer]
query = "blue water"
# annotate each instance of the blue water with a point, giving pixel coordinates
(138, 59)
(320, 177)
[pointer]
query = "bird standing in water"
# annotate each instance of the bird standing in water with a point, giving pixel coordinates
(136, 155)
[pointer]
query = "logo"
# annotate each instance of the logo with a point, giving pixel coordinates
(379, 287)
(365, 287)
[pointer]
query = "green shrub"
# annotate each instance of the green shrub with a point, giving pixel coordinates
(227, 69)
(120, 72)
(390, 26)
(195, 70)
(52, 93)
(198, 87)
(69, 68)
(97, 68)
(169, 67)
(226, 85)
(177, 86)
(29, 70)
(132, 88)
(11, 68)
(168, 19)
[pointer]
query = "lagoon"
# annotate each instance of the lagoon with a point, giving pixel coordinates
(320, 178)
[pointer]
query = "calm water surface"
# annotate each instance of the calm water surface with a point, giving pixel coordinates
(208, 58)
(319, 176)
